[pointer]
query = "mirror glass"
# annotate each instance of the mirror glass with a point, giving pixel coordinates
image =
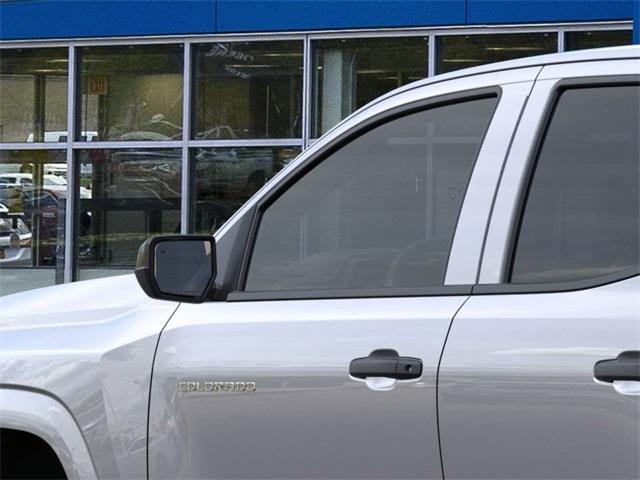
(183, 267)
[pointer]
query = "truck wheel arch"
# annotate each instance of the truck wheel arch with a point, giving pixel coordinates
(44, 416)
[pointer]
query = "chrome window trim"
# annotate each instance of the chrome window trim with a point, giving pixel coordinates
(514, 183)
(305, 141)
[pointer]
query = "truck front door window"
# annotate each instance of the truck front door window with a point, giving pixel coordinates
(378, 213)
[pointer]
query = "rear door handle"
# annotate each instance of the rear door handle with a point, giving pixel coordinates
(386, 363)
(622, 372)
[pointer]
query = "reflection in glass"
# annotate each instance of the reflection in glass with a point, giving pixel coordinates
(33, 93)
(380, 212)
(581, 215)
(183, 267)
(597, 39)
(225, 178)
(33, 191)
(248, 90)
(134, 194)
(462, 51)
(348, 73)
(131, 93)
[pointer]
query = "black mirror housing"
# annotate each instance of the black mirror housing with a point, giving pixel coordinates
(177, 267)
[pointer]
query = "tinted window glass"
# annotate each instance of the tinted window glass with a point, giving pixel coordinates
(597, 39)
(463, 51)
(33, 194)
(378, 213)
(223, 179)
(248, 90)
(33, 95)
(126, 195)
(581, 216)
(131, 92)
(183, 267)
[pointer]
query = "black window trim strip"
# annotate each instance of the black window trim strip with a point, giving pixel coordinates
(239, 294)
(351, 293)
(514, 288)
(556, 287)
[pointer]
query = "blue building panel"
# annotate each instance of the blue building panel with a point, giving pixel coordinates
(281, 15)
(529, 11)
(32, 19)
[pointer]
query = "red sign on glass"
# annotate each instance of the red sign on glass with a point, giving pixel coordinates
(97, 85)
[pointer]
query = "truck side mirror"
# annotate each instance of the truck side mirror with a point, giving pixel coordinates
(177, 267)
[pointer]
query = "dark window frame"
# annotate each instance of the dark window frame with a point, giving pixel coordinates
(505, 287)
(256, 213)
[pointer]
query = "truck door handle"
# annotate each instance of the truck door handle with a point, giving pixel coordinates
(622, 372)
(386, 363)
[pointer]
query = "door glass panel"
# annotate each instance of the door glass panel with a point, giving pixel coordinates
(462, 51)
(349, 73)
(125, 197)
(248, 90)
(33, 95)
(33, 192)
(225, 178)
(597, 39)
(131, 93)
(378, 213)
(581, 215)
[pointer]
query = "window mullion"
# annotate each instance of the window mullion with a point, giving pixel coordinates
(71, 206)
(185, 196)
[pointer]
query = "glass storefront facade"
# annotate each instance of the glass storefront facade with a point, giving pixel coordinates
(33, 89)
(349, 73)
(463, 51)
(223, 178)
(126, 196)
(130, 93)
(597, 39)
(33, 198)
(106, 142)
(247, 90)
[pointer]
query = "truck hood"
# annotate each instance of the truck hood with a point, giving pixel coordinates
(89, 345)
(71, 303)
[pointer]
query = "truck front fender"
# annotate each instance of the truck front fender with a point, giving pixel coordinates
(43, 415)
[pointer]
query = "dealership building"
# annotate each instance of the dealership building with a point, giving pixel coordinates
(124, 119)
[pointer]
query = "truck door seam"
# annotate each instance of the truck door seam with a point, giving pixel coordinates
(438, 383)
